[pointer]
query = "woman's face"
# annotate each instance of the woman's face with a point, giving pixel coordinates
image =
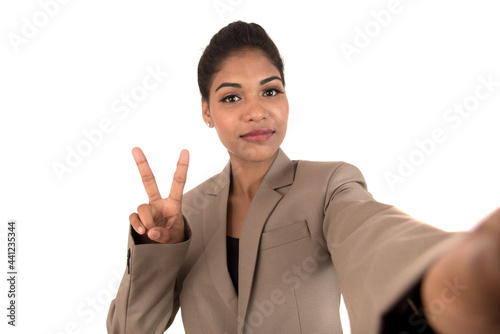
(248, 107)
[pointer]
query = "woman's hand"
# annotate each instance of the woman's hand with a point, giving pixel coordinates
(461, 291)
(161, 220)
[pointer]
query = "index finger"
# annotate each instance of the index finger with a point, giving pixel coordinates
(180, 177)
(148, 179)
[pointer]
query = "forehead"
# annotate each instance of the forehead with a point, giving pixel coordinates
(245, 67)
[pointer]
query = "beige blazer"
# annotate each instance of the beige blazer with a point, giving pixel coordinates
(311, 233)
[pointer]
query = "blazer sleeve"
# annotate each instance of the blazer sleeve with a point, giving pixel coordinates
(148, 297)
(378, 251)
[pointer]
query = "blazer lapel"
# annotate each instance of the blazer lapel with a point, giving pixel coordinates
(280, 174)
(214, 237)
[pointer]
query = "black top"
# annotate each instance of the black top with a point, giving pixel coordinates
(233, 250)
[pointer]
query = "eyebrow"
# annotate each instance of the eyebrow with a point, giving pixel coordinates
(263, 82)
(236, 85)
(228, 84)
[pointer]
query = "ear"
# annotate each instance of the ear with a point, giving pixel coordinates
(205, 111)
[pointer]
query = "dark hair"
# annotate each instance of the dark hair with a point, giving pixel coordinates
(237, 36)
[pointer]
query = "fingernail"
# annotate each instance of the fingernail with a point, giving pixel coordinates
(155, 235)
(141, 230)
(135, 154)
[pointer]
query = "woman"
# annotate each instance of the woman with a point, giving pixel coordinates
(268, 245)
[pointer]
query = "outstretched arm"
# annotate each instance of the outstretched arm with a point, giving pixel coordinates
(461, 291)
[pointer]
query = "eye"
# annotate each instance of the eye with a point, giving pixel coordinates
(272, 92)
(230, 98)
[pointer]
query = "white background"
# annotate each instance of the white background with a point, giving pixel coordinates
(64, 79)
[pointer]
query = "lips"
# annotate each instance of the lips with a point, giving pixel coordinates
(258, 135)
(258, 132)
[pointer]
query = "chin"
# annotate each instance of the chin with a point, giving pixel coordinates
(256, 154)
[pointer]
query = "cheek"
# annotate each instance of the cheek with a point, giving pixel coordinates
(282, 114)
(225, 128)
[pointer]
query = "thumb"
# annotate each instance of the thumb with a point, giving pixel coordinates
(164, 236)
(155, 234)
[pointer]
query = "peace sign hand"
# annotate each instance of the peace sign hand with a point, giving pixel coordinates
(161, 220)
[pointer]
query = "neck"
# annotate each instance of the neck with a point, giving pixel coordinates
(246, 176)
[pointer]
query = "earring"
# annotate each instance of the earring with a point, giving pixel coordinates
(208, 124)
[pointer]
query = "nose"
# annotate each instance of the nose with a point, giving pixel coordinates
(255, 111)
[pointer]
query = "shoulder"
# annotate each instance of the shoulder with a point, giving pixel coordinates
(330, 170)
(329, 178)
(211, 185)
(200, 188)
(200, 196)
